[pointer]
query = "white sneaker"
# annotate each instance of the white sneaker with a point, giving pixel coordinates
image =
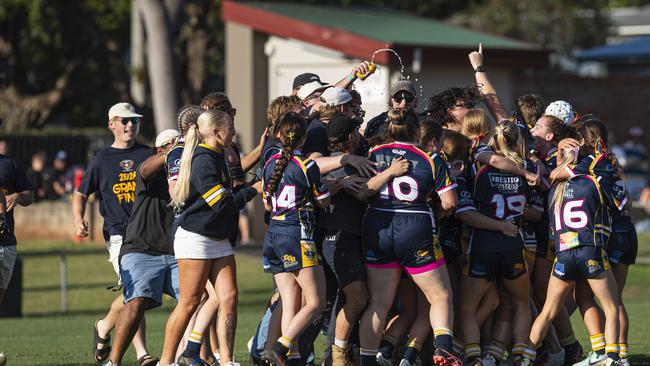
(489, 360)
(624, 362)
(555, 359)
(612, 362)
(593, 360)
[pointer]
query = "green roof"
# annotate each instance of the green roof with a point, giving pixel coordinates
(391, 26)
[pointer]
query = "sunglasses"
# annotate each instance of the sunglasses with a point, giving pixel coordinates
(134, 120)
(409, 98)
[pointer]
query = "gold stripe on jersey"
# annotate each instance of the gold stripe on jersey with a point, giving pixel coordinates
(213, 195)
(211, 191)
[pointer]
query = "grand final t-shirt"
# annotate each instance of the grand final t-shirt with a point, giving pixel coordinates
(111, 176)
(12, 179)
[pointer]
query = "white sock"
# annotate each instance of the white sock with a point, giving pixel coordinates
(340, 343)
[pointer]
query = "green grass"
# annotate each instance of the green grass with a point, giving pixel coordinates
(44, 337)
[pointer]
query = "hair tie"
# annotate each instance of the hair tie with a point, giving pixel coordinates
(291, 135)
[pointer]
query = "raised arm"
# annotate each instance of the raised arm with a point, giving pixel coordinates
(488, 93)
(361, 68)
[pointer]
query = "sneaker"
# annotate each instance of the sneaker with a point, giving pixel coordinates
(489, 360)
(340, 356)
(472, 361)
(110, 363)
(573, 353)
(442, 357)
(383, 361)
(522, 361)
(612, 362)
(555, 359)
(405, 362)
(593, 360)
(624, 362)
(189, 361)
(277, 359)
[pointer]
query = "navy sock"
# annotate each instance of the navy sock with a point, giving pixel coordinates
(444, 341)
(192, 349)
(613, 356)
(368, 360)
(600, 352)
(411, 354)
(386, 348)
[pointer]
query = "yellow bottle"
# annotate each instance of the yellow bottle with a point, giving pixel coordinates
(371, 69)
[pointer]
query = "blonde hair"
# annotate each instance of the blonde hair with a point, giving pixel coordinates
(506, 141)
(207, 121)
(476, 124)
(568, 156)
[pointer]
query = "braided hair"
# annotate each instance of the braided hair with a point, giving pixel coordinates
(290, 130)
(595, 134)
(187, 116)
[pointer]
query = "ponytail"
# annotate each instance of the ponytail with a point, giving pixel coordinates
(568, 155)
(291, 130)
(506, 142)
(182, 187)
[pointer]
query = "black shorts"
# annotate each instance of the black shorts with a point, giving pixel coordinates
(287, 253)
(491, 266)
(397, 239)
(622, 247)
(342, 252)
(580, 262)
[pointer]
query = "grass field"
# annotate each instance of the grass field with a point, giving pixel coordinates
(46, 337)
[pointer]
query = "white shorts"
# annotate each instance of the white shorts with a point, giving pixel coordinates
(189, 245)
(114, 244)
(7, 261)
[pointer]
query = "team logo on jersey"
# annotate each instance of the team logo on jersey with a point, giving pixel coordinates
(422, 255)
(479, 270)
(559, 269)
(126, 165)
(593, 265)
(569, 240)
(177, 162)
(505, 183)
(398, 152)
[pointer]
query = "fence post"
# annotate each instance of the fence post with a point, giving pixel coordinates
(64, 283)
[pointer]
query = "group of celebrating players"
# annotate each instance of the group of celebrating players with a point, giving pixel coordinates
(441, 238)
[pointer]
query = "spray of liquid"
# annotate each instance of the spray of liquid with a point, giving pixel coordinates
(401, 71)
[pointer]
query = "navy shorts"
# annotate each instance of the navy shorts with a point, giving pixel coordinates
(397, 239)
(500, 265)
(287, 253)
(343, 254)
(580, 262)
(147, 275)
(623, 247)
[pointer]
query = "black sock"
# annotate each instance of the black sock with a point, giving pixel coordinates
(444, 341)
(600, 352)
(386, 348)
(368, 360)
(280, 349)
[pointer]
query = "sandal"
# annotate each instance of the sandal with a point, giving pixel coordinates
(147, 360)
(100, 354)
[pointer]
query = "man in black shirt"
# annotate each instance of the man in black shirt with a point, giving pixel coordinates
(147, 264)
(111, 176)
(15, 190)
(402, 96)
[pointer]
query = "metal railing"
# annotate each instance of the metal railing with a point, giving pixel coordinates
(63, 266)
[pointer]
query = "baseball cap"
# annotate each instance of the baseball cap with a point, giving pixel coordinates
(402, 85)
(307, 89)
(60, 155)
(561, 110)
(122, 109)
(341, 126)
(335, 96)
(166, 137)
(306, 78)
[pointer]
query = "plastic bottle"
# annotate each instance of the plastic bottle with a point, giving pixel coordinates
(371, 69)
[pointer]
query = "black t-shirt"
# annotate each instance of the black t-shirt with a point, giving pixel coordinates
(12, 180)
(111, 175)
(344, 212)
(316, 139)
(150, 226)
(376, 126)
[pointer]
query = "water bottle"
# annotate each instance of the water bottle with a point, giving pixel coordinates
(371, 69)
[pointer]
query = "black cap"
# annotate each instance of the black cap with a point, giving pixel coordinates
(305, 78)
(341, 126)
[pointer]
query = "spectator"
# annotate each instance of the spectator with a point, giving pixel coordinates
(635, 163)
(402, 96)
(39, 177)
(4, 147)
(59, 174)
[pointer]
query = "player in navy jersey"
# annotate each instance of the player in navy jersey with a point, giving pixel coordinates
(547, 133)
(398, 235)
(493, 255)
(622, 246)
(292, 188)
(580, 227)
(209, 206)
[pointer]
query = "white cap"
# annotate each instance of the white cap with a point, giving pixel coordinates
(122, 109)
(561, 110)
(335, 96)
(636, 131)
(166, 137)
(307, 89)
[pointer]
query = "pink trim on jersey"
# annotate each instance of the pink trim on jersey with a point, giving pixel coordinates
(572, 174)
(447, 188)
(383, 266)
(429, 267)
